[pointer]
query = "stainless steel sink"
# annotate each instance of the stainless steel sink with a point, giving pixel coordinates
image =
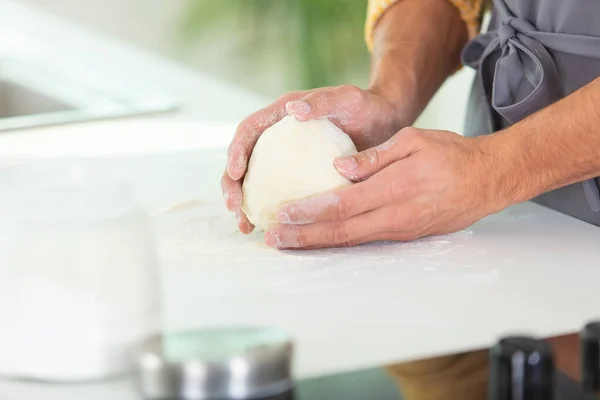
(35, 93)
(19, 101)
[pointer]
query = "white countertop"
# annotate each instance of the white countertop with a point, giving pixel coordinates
(526, 270)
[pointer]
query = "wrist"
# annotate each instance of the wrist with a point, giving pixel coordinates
(550, 149)
(510, 170)
(400, 91)
(417, 45)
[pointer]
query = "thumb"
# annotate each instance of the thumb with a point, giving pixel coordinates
(361, 166)
(325, 103)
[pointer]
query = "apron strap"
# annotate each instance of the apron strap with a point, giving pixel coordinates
(525, 76)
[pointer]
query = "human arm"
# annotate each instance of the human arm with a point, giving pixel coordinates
(424, 182)
(557, 146)
(416, 46)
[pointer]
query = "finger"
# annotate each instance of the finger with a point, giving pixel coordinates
(334, 103)
(365, 164)
(244, 223)
(324, 233)
(376, 237)
(232, 195)
(250, 129)
(340, 204)
(330, 234)
(232, 192)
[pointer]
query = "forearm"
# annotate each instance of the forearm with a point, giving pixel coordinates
(416, 45)
(552, 148)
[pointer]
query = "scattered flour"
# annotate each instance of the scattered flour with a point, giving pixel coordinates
(206, 237)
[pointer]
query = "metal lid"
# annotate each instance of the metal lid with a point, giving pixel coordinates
(590, 356)
(521, 368)
(220, 363)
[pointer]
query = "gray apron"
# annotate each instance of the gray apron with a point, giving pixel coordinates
(534, 53)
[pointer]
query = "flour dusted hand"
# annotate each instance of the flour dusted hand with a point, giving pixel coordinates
(419, 183)
(292, 160)
(366, 116)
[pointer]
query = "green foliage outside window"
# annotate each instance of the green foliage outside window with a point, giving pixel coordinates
(320, 41)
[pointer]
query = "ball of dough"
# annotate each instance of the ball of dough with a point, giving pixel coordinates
(292, 160)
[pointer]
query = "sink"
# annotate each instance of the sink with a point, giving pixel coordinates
(19, 101)
(38, 92)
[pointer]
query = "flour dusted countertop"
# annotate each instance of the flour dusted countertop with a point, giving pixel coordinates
(525, 270)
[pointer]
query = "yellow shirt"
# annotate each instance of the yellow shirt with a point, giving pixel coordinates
(470, 11)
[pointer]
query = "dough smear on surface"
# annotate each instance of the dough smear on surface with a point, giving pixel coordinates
(292, 160)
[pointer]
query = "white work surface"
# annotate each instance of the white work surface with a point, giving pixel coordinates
(526, 270)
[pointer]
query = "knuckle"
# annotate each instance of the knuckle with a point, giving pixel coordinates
(373, 157)
(378, 159)
(408, 131)
(232, 193)
(412, 133)
(353, 94)
(394, 190)
(398, 219)
(341, 211)
(289, 95)
(351, 90)
(392, 220)
(321, 97)
(338, 234)
(301, 238)
(315, 98)
(250, 127)
(225, 183)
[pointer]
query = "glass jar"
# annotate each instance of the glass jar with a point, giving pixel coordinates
(79, 276)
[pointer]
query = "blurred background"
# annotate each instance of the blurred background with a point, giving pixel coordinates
(267, 46)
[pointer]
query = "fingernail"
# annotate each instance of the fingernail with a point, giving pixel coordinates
(272, 239)
(225, 196)
(238, 216)
(346, 163)
(298, 107)
(284, 218)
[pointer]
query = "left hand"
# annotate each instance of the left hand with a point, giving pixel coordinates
(418, 183)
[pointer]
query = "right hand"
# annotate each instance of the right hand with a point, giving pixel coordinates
(367, 117)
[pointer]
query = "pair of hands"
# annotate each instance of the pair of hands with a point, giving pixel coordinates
(410, 184)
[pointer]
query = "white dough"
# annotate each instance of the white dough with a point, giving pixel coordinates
(292, 160)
